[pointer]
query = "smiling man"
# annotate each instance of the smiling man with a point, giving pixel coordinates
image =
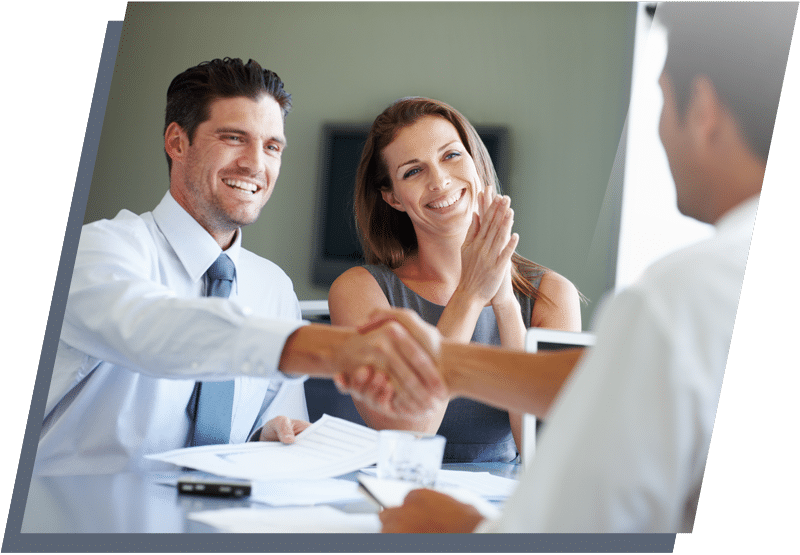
(174, 333)
(224, 175)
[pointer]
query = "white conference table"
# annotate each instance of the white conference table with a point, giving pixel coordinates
(142, 503)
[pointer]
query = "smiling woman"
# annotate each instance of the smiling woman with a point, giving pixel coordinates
(435, 183)
(437, 239)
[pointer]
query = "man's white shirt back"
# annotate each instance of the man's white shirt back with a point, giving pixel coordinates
(625, 444)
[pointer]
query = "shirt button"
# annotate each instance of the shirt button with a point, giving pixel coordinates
(195, 365)
(246, 367)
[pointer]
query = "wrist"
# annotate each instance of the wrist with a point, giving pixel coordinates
(505, 302)
(316, 350)
(467, 301)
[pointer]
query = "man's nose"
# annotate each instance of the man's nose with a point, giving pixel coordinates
(252, 157)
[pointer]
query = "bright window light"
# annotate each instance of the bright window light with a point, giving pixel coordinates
(650, 224)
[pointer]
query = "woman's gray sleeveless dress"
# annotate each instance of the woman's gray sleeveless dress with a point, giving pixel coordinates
(475, 432)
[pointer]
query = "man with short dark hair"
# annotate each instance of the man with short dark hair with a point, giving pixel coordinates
(174, 333)
(627, 437)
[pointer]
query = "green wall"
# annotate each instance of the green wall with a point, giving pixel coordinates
(558, 75)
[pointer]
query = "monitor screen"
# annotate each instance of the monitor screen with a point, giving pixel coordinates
(540, 339)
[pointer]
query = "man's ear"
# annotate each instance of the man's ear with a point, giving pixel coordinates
(176, 141)
(705, 112)
(392, 201)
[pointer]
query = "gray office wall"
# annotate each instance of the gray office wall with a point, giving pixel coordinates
(558, 75)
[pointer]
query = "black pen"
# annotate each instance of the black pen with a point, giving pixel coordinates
(371, 496)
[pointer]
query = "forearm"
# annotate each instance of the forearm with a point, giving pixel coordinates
(510, 324)
(460, 316)
(311, 350)
(522, 382)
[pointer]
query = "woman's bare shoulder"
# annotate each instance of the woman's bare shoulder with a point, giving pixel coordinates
(353, 295)
(563, 309)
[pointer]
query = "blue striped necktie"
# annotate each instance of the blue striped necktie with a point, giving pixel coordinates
(211, 404)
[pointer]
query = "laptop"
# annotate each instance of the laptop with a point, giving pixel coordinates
(541, 339)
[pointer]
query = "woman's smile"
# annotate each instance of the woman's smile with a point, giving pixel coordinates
(447, 201)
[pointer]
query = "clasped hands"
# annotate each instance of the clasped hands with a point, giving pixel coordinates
(486, 251)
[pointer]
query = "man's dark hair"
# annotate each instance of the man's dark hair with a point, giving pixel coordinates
(191, 93)
(742, 47)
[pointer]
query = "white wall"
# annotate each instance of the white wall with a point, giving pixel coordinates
(558, 75)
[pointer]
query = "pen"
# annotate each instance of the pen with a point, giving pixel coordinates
(371, 496)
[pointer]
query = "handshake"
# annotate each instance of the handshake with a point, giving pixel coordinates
(393, 363)
(402, 366)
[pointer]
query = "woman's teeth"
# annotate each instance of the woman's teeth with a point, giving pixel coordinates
(447, 201)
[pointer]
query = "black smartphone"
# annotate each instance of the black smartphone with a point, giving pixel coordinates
(215, 487)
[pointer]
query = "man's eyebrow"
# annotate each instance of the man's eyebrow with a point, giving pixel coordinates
(231, 130)
(238, 131)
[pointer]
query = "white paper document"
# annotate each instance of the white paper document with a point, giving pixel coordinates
(328, 448)
(485, 484)
(391, 493)
(282, 493)
(323, 520)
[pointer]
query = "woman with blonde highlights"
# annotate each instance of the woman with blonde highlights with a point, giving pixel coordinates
(437, 239)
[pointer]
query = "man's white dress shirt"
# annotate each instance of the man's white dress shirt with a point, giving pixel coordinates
(138, 321)
(625, 444)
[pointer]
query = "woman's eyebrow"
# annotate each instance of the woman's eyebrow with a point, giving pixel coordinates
(416, 160)
(412, 161)
(448, 145)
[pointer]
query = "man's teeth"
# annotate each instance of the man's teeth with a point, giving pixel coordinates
(244, 185)
(446, 202)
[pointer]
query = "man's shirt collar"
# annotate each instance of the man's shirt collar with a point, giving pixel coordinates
(193, 245)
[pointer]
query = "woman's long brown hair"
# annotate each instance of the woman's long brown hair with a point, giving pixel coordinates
(387, 235)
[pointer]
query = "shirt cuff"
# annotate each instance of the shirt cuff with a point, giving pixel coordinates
(260, 346)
